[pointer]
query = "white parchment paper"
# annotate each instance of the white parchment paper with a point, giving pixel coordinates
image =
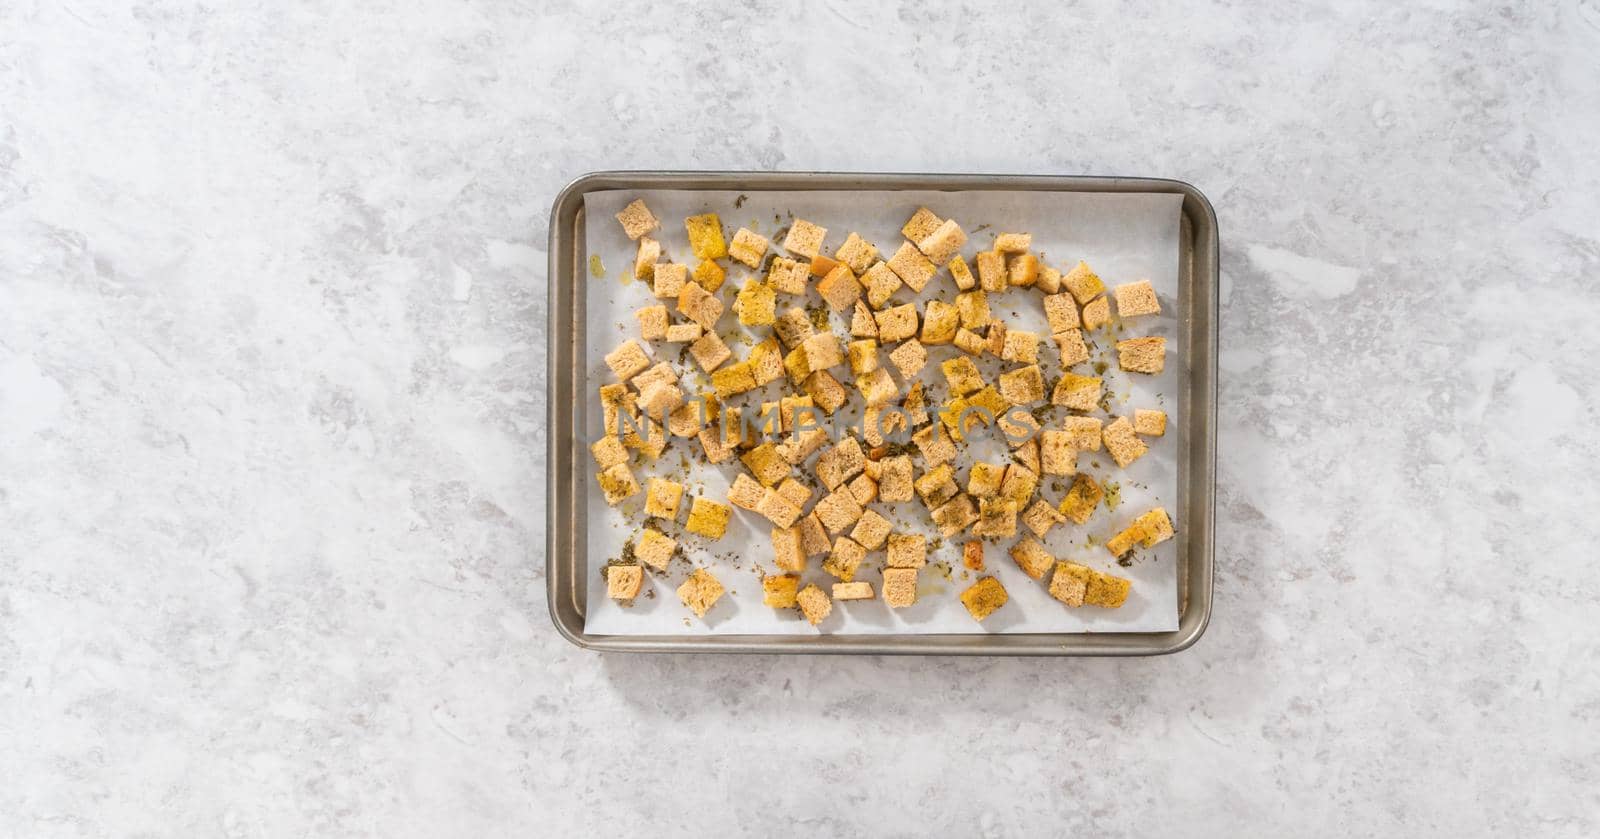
(1124, 237)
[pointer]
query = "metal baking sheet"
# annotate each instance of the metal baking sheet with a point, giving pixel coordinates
(568, 567)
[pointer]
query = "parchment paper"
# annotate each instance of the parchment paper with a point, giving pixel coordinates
(1124, 237)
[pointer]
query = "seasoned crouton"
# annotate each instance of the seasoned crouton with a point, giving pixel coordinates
(1020, 347)
(779, 590)
(710, 352)
(660, 374)
(779, 508)
(937, 485)
(716, 449)
(826, 390)
(940, 321)
(877, 387)
(798, 450)
(962, 274)
(822, 266)
(936, 447)
(907, 550)
(1027, 452)
(756, 303)
(1107, 591)
(909, 358)
(1032, 557)
(700, 306)
(662, 498)
(748, 247)
(654, 548)
(823, 351)
(705, 236)
(912, 267)
(637, 219)
(983, 597)
(1019, 484)
(1013, 242)
(644, 259)
(652, 322)
(623, 581)
(1085, 432)
(787, 276)
(1150, 529)
(916, 404)
(862, 324)
(838, 510)
(900, 587)
(788, 551)
(1082, 499)
(796, 365)
(1080, 393)
(1023, 385)
(954, 516)
(944, 242)
(839, 288)
(669, 280)
(1121, 441)
(660, 399)
(682, 333)
(798, 494)
(996, 517)
(997, 338)
(765, 464)
(1142, 355)
(746, 493)
(1134, 299)
(1061, 312)
(1057, 454)
(1022, 270)
(1096, 313)
(840, 463)
(814, 604)
(708, 518)
(856, 252)
(805, 238)
(793, 326)
(858, 590)
(1073, 349)
(962, 375)
(983, 479)
(1082, 283)
(845, 558)
(863, 356)
(617, 483)
(881, 284)
(1049, 281)
(992, 271)
(627, 360)
(1150, 423)
(972, 555)
(970, 342)
(709, 275)
(1070, 582)
(973, 307)
(608, 451)
(700, 592)
(895, 479)
(871, 529)
(897, 323)
(1040, 517)
(922, 223)
(766, 362)
(813, 536)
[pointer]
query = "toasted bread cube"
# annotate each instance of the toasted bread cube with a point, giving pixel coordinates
(617, 483)
(1032, 557)
(1019, 484)
(826, 390)
(1121, 543)
(877, 387)
(1083, 284)
(779, 508)
(822, 266)
(685, 420)
(1150, 423)
(912, 267)
(814, 604)
(793, 326)
(954, 516)
(709, 352)
(962, 274)
(1096, 313)
(623, 581)
(746, 492)
(1022, 270)
(937, 448)
(683, 333)
(765, 464)
(1154, 527)
(670, 278)
(705, 236)
(989, 398)
(748, 247)
(992, 271)
(1080, 393)
(845, 559)
(1013, 242)
(700, 592)
(996, 517)
(863, 356)
(660, 399)
(1070, 582)
(805, 238)
(907, 550)
(862, 324)
(944, 243)
(840, 463)
(897, 323)
(839, 288)
(1073, 349)
(655, 548)
(797, 365)
(788, 549)
(996, 338)
(856, 252)
(823, 351)
(937, 485)
(608, 451)
(637, 219)
(716, 449)
(1138, 298)
(766, 362)
(916, 404)
(788, 276)
(895, 479)
(1142, 355)
(1061, 312)
(972, 555)
(939, 323)
(1049, 281)
(615, 400)
(813, 536)
(983, 597)
(970, 342)
(881, 284)
(652, 322)
(798, 450)
(858, 590)
(983, 479)
(1107, 591)
(1057, 454)
(973, 307)
(1021, 431)
(1021, 347)
(731, 380)
(962, 375)
(900, 587)
(1040, 517)
(838, 511)
(709, 275)
(779, 590)
(644, 259)
(922, 223)
(871, 530)
(650, 439)
(864, 488)
(699, 305)
(662, 498)
(798, 494)
(1121, 441)
(1085, 432)
(627, 360)
(659, 374)
(755, 303)
(1023, 385)
(1082, 499)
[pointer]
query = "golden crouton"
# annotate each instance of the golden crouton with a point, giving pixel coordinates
(766, 362)
(983, 597)
(627, 360)
(823, 351)
(682, 333)
(992, 271)
(916, 404)
(623, 581)
(779, 590)
(899, 587)
(1073, 349)
(805, 238)
(1096, 313)
(897, 323)
(907, 550)
(765, 464)
(1049, 281)
(1032, 557)
(746, 492)
(716, 449)
(862, 324)
(973, 306)
(617, 483)
(798, 450)
(909, 358)
(814, 604)
(881, 284)
(788, 550)
(962, 274)
(954, 516)
(1080, 393)
(709, 275)
(1134, 299)
(700, 306)
(997, 517)
(858, 590)
(670, 278)
(895, 482)
(936, 447)
(1057, 453)
(871, 529)
(972, 555)
(652, 322)
(700, 592)
(1019, 484)
(637, 219)
(839, 288)
(1013, 242)
(654, 548)
(660, 399)
(864, 488)
(755, 303)
(710, 352)
(662, 498)
(1083, 283)
(856, 252)
(787, 276)
(1082, 499)
(1022, 386)
(983, 479)
(1021, 347)
(798, 494)
(1040, 517)
(863, 356)
(1150, 529)
(813, 536)
(705, 237)
(644, 260)
(1070, 582)
(1022, 270)
(1107, 591)
(997, 338)
(793, 326)
(826, 391)
(939, 323)
(922, 223)
(937, 485)
(1142, 355)
(1150, 423)
(748, 247)
(779, 508)
(1061, 312)
(845, 558)
(838, 511)
(912, 267)
(840, 463)
(1085, 432)
(1121, 441)
(944, 242)
(822, 266)
(661, 373)
(962, 375)
(970, 342)
(1026, 451)
(608, 451)
(708, 518)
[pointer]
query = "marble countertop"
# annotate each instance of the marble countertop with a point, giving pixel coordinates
(272, 421)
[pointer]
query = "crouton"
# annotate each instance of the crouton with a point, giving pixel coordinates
(766, 362)
(895, 479)
(1121, 441)
(660, 399)
(1061, 312)
(793, 326)
(710, 352)
(648, 438)
(661, 373)
(907, 550)
(962, 375)
(662, 498)
(700, 592)
(858, 590)
(708, 518)
(916, 404)
(1057, 454)
(944, 242)
(1085, 432)
(922, 223)
(1107, 591)
(798, 494)
(813, 536)
(1026, 451)
(900, 587)
(1022, 270)
(1040, 517)
(897, 323)
(682, 333)
(1080, 393)
(940, 321)
(912, 267)
(623, 581)
(1032, 557)
(1082, 499)
(1073, 349)
(779, 590)
(1019, 484)
(1082, 283)
(1138, 298)
(845, 559)
(973, 307)
(765, 464)
(936, 448)
(748, 247)
(787, 276)
(871, 529)
(804, 238)
(709, 275)
(997, 517)
(839, 288)
(746, 492)
(954, 516)
(972, 555)
(798, 450)
(937, 485)
(779, 508)
(962, 274)
(856, 252)
(670, 278)
(862, 324)
(1096, 313)
(755, 303)
(796, 365)
(788, 552)
(1021, 347)
(1150, 529)
(608, 451)
(627, 360)
(1150, 423)
(840, 463)
(700, 306)
(716, 449)
(909, 358)
(705, 237)
(881, 284)
(877, 387)
(983, 479)
(644, 259)
(617, 483)
(814, 604)
(616, 401)
(1070, 582)
(826, 390)
(1049, 281)
(838, 510)
(1013, 242)
(1023, 385)
(652, 322)
(654, 548)
(970, 342)
(637, 219)
(863, 356)
(823, 351)
(1142, 355)
(992, 271)
(997, 338)
(983, 597)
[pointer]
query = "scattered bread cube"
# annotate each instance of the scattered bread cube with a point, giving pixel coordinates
(839, 288)
(962, 274)
(973, 307)
(970, 342)
(1032, 557)
(897, 323)
(909, 358)
(1096, 313)
(1085, 432)
(822, 266)
(940, 321)
(944, 242)
(766, 362)
(1138, 298)
(997, 338)
(793, 326)
(804, 238)
(700, 592)
(1107, 591)
(1049, 281)
(1150, 529)
(627, 360)
(1013, 242)
(779, 508)
(983, 479)
(881, 284)
(1149, 422)
(972, 555)
(858, 590)
(922, 223)
(708, 518)
(813, 536)
(1121, 441)
(912, 267)
(1040, 517)
(662, 498)
(1020, 347)
(845, 558)
(1022, 270)
(871, 530)
(654, 548)
(996, 517)
(617, 482)
(823, 351)
(669, 280)
(1142, 355)
(862, 324)
(623, 581)
(1082, 499)
(840, 463)
(863, 356)
(1061, 312)
(637, 219)
(766, 464)
(748, 247)
(1083, 283)
(856, 252)
(877, 387)
(1022, 386)
(705, 237)
(608, 451)
(1070, 582)
(916, 404)
(700, 306)
(710, 352)
(826, 390)
(1057, 453)
(838, 511)
(907, 550)
(814, 604)
(954, 516)
(755, 303)
(1019, 484)
(788, 276)
(652, 322)
(644, 259)
(1080, 393)
(709, 275)
(1073, 349)
(779, 590)
(895, 483)
(936, 447)
(937, 485)
(992, 271)
(962, 375)
(900, 587)
(983, 597)
(798, 494)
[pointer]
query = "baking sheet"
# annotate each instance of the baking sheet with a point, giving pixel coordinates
(1123, 236)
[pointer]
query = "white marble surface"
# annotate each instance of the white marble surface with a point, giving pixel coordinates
(272, 421)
